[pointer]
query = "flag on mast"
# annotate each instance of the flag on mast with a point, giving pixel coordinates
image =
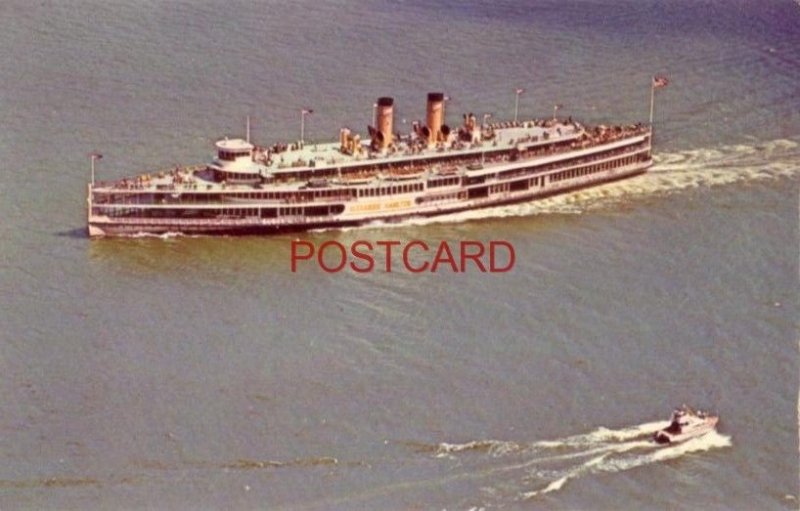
(95, 155)
(307, 111)
(520, 91)
(660, 81)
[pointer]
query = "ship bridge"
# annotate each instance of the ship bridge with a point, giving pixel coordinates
(234, 162)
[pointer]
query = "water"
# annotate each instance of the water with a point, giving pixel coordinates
(200, 373)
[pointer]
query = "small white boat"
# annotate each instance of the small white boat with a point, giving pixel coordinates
(686, 423)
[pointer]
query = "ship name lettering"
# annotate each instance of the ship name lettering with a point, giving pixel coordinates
(377, 206)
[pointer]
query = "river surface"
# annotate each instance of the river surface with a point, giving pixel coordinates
(201, 373)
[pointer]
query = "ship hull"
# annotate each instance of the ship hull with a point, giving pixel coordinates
(131, 227)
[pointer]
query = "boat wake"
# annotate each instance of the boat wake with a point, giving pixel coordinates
(670, 173)
(162, 236)
(519, 472)
(623, 457)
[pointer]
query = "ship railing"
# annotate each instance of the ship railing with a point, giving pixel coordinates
(143, 181)
(132, 199)
(228, 221)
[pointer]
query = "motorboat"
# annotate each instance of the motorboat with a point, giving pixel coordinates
(685, 424)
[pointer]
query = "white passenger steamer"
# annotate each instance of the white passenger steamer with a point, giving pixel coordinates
(433, 170)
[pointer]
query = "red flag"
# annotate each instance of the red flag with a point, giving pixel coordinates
(95, 156)
(307, 111)
(520, 91)
(660, 81)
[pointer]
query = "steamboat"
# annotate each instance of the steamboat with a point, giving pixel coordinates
(386, 176)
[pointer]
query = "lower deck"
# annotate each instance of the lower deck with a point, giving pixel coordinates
(259, 218)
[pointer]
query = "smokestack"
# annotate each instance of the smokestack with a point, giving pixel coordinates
(384, 121)
(435, 115)
(344, 133)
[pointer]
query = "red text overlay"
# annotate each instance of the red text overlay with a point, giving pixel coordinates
(414, 256)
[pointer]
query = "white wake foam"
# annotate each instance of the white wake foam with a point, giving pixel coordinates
(548, 465)
(671, 172)
(164, 236)
(617, 461)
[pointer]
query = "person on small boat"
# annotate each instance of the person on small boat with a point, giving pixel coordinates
(674, 427)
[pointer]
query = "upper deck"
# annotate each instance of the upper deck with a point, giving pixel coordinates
(295, 165)
(408, 149)
(429, 149)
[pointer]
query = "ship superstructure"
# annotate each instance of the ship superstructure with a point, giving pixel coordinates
(386, 176)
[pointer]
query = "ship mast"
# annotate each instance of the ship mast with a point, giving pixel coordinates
(303, 113)
(94, 156)
(656, 83)
(516, 102)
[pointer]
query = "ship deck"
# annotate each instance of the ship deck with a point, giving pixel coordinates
(506, 136)
(404, 159)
